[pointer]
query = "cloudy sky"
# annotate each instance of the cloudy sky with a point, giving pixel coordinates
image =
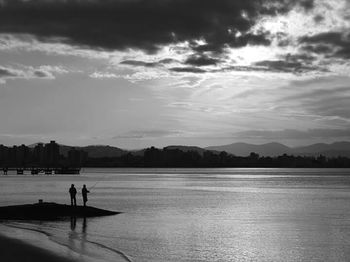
(136, 73)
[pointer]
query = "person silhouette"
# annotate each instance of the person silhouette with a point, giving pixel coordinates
(84, 193)
(73, 193)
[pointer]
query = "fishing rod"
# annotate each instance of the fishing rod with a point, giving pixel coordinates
(98, 182)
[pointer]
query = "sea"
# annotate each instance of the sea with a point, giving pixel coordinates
(180, 215)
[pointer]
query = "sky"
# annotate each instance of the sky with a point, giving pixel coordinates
(139, 73)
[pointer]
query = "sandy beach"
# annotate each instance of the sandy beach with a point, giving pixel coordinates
(13, 250)
(19, 242)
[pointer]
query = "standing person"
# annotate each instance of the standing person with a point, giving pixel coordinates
(73, 193)
(84, 192)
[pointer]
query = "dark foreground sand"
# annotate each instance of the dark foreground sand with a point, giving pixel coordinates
(13, 250)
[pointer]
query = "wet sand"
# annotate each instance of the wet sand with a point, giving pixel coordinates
(13, 250)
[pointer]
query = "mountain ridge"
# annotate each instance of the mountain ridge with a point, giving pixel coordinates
(340, 148)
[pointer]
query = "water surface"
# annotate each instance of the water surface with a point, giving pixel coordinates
(197, 214)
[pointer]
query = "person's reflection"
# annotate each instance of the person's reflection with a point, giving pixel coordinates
(84, 226)
(83, 235)
(72, 235)
(73, 223)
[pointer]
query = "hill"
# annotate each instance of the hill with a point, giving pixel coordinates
(330, 150)
(244, 149)
(187, 148)
(96, 151)
(276, 149)
(237, 149)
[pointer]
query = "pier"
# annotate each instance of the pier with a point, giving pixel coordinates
(42, 170)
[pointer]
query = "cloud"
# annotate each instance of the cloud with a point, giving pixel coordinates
(6, 73)
(187, 70)
(287, 66)
(101, 75)
(290, 63)
(143, 24)
(335, 44)
(138, 63)
(201, 60)
(28, 72)
(154, 64)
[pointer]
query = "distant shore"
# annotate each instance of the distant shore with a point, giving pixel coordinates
(14, 250)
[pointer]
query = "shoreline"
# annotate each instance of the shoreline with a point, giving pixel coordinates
(14, 250)
(19, 243)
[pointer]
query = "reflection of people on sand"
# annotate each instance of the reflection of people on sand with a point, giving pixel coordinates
(83, 234)
(84, 193)
(76, 239)
(73, 223)
(84, 226)
(72, 235)
(73, 193)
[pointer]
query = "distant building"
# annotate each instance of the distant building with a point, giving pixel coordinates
(22, 155)
(4, 154)
(12, 156)
(39, 154)
(52, 154)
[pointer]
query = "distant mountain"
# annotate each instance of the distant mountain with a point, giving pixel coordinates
(277, 149)
(244, 149)
(332, 150)
(96, 151)
(187, 148)
(139, 152)
(238, 149)
(104, 151)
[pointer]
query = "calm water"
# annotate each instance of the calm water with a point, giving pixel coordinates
(194, 214)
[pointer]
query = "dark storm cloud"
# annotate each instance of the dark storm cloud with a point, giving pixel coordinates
(149, 64)
(334, 38)
(331, 44)
(318, 18)
(286, 66)
(42, 74)
(295, 134)
(168, 61)
(143, 24)
(201, 60)
(187, 70)
(138, 63)
(4, 73)
(302, 57)
(291, 63)
(318, 49)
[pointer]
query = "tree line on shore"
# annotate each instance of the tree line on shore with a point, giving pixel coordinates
(47, 155)
(154, 157)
